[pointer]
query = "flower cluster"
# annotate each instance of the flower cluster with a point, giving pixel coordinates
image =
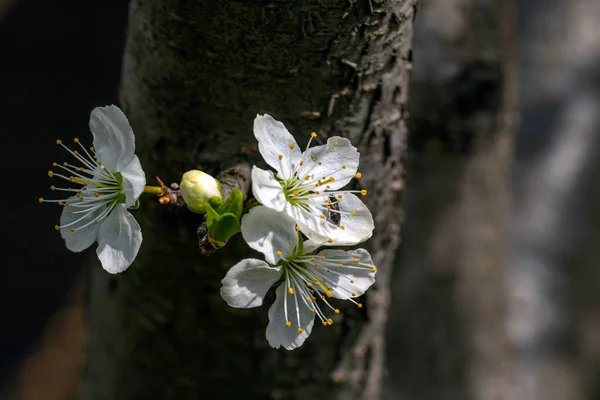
(303, 196)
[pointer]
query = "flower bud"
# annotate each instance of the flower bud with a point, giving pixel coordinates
(198, 189)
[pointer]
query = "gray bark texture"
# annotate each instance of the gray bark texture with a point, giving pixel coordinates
(448, 329)
(195, 74)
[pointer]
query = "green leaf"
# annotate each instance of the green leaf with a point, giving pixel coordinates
(234, 204)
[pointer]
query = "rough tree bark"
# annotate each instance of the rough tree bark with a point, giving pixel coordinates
(195, 74)
(448, 329)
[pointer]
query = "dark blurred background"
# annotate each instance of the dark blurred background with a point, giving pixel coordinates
(58, 60)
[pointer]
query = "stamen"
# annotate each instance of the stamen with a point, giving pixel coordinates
(280, 156)
(358, 174)
(292, 146)
(363, 192)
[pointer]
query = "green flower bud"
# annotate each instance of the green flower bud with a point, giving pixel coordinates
(199, 190)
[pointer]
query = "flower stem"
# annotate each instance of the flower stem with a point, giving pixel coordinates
(153, 190)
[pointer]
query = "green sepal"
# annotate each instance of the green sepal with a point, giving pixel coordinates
(135, 205)
(221, 226)
(234, 204)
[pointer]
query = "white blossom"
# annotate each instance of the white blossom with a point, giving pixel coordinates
(103, 182)
(306, 185)
(307, 281)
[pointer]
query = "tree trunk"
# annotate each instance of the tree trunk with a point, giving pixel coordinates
(448, 331)
(195, 74)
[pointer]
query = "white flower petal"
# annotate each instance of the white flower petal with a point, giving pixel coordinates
(353, 279)
(275, 140)
(119, 240)
(247, 282)
(333, 159)
(268, 231)
(310, 245)
(114, 141)
(82, 238)
(278, 334)
(357, 228)
(134, 181)
(267, 189)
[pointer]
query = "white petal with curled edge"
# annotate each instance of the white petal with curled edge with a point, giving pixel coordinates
(114, 142)
(134, 181)
(83, 238)
(353, 279)
(268, 231)
(357, 228)
(247, 283)
(338, 161)
(267, 189)
(274, 140)
(119, 240)
(288, 337)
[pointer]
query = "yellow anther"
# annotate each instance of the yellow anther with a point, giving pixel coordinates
(96, 221)
(373, 269)
(41, 200)
(335, 142)
(312, 259)
(340, 196)
(75, 152)
(323, 297)
(99, 162)
(314, 299)
(291, 290)
(329, 293)
(322, 257)
(72, 229)
(76, 140)
(279, 253)
(292, 145)
(56, 227)
(353, 293)
(297, 228)
(280, 156)
(312, 309)
(308, 299)
(67, 204)
(52, 187)
(351, 280)
(358, 175)
(322, 216)
(319, 163)
(69, 189)
(84, 188)
(317, 192)
(58, 141)
(343, 166)
(323, 178)
(314, 134)
(60, 203)
(327, 187)
(50, 174)
(70, 212)
(55, 164)
(329, 207)
(301, 162)
(312, 156)
(299, 330)
(307, 177)
(340, 265)
(328, 270)
(329, 321)
(296, 193)
(97, 194)
(329, 240)
(332, 179)
(342, 227)
(363, 192)
(353, 212)
(336, 311)
(328, 287)
(324, 323)
(288, 324)
(356, 260)
(359, 305)
(92, 148)
(308, 284)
